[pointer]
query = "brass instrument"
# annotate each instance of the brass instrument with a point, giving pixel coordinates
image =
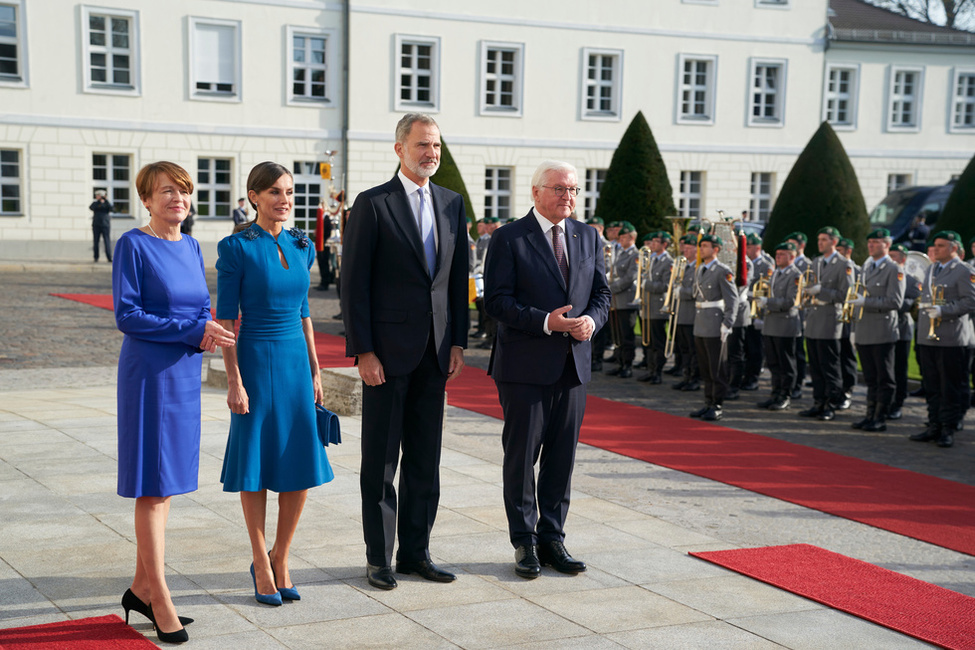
(615, 334)
(937, 299)
(672, 302)
(679, 228)
(846, 315)
(808, 280)
(799, 287)
(761, 289)
(724, 228)
(644, 260)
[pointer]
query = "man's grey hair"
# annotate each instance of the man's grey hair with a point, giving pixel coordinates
(552, 166)
(405, 124)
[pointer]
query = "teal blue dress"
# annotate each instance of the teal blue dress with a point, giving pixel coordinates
(275, 446)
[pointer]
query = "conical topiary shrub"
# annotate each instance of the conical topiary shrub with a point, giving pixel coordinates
(821, 190)
(636, 188)
(959, 211)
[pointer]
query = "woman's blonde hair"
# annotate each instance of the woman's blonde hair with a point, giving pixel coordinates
(145, 182)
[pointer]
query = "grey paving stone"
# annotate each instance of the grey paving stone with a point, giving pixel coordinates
(824, 629)
(714, 635)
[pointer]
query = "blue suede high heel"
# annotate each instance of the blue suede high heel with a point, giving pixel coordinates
(287, 593)
(272, 599)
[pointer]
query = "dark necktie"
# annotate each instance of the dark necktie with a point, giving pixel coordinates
(560, 253)
(937, 270)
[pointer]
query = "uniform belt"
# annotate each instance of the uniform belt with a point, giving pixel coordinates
(710, 305)
(925, 305)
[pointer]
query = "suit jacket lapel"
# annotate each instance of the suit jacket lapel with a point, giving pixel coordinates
(442, 224)
(402, 214)
(537, 239)
(573, 242)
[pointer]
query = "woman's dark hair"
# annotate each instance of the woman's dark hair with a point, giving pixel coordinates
(263, 176)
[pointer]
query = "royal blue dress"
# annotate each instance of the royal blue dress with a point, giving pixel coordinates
(161, 305)
(275, 445)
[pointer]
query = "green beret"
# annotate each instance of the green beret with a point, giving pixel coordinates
(879, 233)
(831, 231)
(786, 246)
(626, 228)
(949, 235)
(713, 239)
(614, 224)
(971, 241)
(753, 239)
(664, 235)
(798, 236)
(595, 221)
(696, 227)
(689, 239)
(648, 236)
(846, 242)
(511, 219)
(900, 248)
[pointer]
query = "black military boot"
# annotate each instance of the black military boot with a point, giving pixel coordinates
(932, 432)
(871, 409)
(947, 437)
(879, 422)
(814, 411)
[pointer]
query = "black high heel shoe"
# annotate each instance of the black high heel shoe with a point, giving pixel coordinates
(179, 636)
(131, 602)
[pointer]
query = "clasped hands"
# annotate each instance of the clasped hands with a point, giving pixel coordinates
(581, 328)
(216, 336)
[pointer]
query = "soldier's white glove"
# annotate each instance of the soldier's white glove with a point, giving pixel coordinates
(762, 301)
(813, 290)
(933, 312)
(725, 331)
(858, 302)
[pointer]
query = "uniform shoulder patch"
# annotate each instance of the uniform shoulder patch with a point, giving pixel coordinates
(849, 270)
(921, 288)
(797, 281)
(972, 277)
(900, 276)
(731, 278)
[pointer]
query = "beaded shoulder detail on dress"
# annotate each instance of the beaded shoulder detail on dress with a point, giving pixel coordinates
(301, 239)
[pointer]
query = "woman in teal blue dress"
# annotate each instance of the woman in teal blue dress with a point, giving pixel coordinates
(272, 374)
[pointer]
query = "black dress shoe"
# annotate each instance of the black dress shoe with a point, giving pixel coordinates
(947, 437)
(780, 404)
(874, 426)
(526, 562)
(859, 424)
(932, 432)
(751, 384)
(713, 414)
(732, 395)
(426, 570)
(641, 365)
(764, 404)
(381, 577)
(701, 411)
(796, 393)
(679, 385)
(613, 372)
(827, 414)
(553, 554)
(691, 386)
(895, 413)
(812, 412)
(625, 372)
(842, 405)
(674, 371)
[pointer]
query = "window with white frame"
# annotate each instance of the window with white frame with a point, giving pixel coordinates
(10, 183)
(215, 72)
(760, 205)
(594, 185)
(501, 78)
(309, 56)
(963, 101)
(899, 181)
(602, 76)
(417, 71)
(111, 49)
(12, 50)
(113, 174)
(840, 98)
(778, 4)
(497, 192)
(767, 92)
(696, 92)
(690, 194)
(904, 99)
(308, 192)
(213, 187)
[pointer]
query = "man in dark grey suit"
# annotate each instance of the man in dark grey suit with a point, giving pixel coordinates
(545, 284)
(404, 300)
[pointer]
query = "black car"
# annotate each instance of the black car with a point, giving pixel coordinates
(910, 213)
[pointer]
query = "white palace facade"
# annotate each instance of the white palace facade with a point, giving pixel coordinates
(732, 89)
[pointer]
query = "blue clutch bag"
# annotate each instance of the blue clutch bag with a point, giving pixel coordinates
(328, 426)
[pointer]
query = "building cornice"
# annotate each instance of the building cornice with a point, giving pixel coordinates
(257, 131)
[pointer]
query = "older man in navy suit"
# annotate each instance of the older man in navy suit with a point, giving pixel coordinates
(404, 299)
(546, 286)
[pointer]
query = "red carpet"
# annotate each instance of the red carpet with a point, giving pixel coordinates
(99, 633)
(902, 603)
(923, 507)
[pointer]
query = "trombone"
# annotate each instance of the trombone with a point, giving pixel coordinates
(614, 332)
(937, 299)
(644, 260)
(672, 302)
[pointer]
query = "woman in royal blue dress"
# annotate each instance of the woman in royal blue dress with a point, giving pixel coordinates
(162, 305)
(273, 375)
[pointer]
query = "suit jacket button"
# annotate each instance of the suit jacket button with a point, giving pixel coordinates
(565, 334)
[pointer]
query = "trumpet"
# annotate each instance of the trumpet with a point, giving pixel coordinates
(847, 313)
(672, 302)
(761, 289)
(937, 299)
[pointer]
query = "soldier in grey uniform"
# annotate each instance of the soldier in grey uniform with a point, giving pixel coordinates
(848, 356)
(905, 331)
(875, 328)
(486, 327)
(601, 339)
(690, 371)
(802, 264)
(622, 313)
(736, 340)
(781, 326)
(716, 300)
(833, 276)
(762, 266)
(945, 359)
(654, 289)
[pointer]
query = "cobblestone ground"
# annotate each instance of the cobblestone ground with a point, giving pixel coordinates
(47, 335)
